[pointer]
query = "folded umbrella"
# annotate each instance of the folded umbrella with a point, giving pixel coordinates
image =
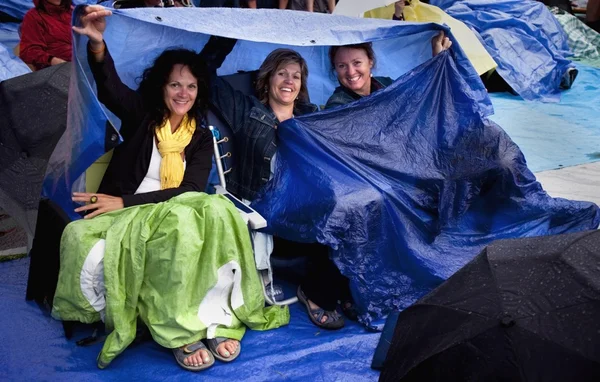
(33, 116)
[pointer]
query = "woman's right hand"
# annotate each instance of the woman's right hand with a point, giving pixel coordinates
(93, 23)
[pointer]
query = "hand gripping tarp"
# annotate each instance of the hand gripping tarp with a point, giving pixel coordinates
(526, 41)
(137, 36)
(407, 186)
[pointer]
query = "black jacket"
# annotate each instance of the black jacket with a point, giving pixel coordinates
(252, 123)
(131, 159)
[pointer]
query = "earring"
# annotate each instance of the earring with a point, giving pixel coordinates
(371, 75)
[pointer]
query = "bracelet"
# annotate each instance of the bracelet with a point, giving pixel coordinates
(99, 50)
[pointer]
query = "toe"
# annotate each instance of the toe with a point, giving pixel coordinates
(223, 351)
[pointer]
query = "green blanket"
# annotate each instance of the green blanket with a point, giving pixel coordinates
(185, 267)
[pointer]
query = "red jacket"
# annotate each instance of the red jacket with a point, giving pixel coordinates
(46, 34)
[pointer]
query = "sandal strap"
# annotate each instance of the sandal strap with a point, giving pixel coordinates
(192, 348)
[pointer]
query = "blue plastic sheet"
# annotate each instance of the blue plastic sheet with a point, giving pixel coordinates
(555, 135)
(407, 186)
(9, 35)
(523, 37)
(11, 66)
(18, 8)
(297, 352)
(136, 36)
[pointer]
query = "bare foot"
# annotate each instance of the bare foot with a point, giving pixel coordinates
(314, 306)
(199, 357)
(228, 348)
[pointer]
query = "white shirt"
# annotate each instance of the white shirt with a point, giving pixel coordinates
(151, 181)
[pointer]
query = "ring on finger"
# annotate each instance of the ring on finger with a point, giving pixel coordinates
(93, 199)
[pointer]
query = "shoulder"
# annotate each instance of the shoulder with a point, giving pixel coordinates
(339, 97)
(385, 81)
(305, 108)
(32, 16)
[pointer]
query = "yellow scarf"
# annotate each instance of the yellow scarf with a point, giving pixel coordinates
(170, 147)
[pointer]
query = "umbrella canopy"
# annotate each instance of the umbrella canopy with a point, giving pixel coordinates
(522, 310)
(33, 116)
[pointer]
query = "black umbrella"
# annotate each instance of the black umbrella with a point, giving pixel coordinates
(33, 116)
(522, 310)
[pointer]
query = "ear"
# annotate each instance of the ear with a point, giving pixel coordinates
(370, 64)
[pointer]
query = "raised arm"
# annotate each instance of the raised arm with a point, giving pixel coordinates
(227, 102)
(124, 102)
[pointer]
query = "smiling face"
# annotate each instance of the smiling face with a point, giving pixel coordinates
(353, 68)
(180, 91)
(285, 84)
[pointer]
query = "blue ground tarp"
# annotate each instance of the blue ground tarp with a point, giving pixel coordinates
(555, 135)
(523, 37)
(10, 66)
(136, 36)
(408, 192)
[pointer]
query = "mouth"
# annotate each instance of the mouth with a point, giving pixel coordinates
(180, 102)
(286, 90)
(354, 79)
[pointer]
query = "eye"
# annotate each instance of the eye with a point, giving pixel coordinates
(174, 85)
(357, 63)
(341, 66)
(193, 86)
(296, 77)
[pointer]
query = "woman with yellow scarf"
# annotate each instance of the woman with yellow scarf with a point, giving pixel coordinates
(175, 261)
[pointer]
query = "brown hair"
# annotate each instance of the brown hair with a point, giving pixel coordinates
(274, 61)
(366, 46)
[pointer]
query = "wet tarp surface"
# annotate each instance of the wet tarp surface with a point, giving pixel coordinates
(524, 38)
(297, 352)
(136, 36)
(408, 192)
(10, 66)
(555, 135)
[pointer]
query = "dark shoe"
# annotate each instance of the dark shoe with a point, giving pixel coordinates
(184, 352)
(213, 343)
(334, 319)
(568, 78)
(349, 310)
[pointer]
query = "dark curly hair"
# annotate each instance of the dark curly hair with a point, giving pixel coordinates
(155, 78)
(275, 60)
(366, 46)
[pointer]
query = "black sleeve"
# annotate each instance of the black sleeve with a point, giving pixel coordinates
(216, 50)
(124, 102)
(198, 166)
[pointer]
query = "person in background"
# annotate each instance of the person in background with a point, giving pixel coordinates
(321, 6)
(46, 34)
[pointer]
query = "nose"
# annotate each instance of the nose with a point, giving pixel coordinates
(288, 79)
(351, 70)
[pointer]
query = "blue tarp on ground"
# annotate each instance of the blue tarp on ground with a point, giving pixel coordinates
(408, 192)
(297, 352)
(555, 135)
(523, 37)
(136, 36)
(10, 66)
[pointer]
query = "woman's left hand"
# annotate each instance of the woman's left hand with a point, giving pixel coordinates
(102, 203)
(440, 43)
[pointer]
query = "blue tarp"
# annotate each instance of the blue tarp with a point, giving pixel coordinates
(136, 36)
(555, 135)
(18, 8)
(10, 66)
(523, 37)
(407, 186)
